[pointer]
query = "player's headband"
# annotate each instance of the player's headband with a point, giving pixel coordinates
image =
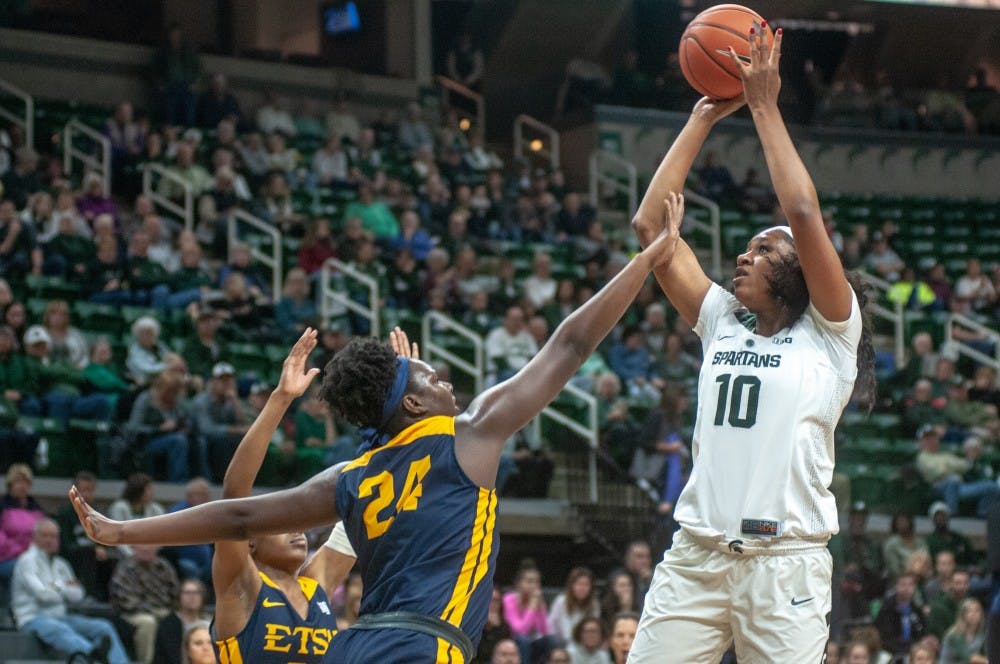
(783, 229)
(395, 397)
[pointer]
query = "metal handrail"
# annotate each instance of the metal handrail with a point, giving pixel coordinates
(964, 349)
(551, 152)
(894, 315)
(449, 86)
(331, 298)
(272, 259)
(101, 166)
(28, 121)
(434, 321)
(601, 178)
(713, 227)
(187, 211)
(590, 431)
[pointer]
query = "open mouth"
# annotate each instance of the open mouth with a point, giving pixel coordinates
(740, 272)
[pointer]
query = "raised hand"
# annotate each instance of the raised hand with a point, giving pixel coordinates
(295, 379)
(713, 110)
(401, 345)
(761, 80)
(661, 250)
(98, 527)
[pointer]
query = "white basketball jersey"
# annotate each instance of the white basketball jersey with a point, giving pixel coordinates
(767, 409)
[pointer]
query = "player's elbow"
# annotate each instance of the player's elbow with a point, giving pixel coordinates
(802, 211)
(644, 227)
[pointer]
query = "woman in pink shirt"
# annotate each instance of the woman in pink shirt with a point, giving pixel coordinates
(18, 513)
(525, 611)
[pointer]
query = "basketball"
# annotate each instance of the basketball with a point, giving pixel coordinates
(704, 49)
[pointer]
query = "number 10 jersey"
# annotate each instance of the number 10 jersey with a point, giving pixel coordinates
(767, 409)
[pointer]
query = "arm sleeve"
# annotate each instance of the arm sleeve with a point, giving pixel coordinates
(339, 542)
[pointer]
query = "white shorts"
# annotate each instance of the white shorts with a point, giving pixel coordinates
(774, 608)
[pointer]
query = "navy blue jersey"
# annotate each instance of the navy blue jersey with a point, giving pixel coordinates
(276, 634)
(422, 530)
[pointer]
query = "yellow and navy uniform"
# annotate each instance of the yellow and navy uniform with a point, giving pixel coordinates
(277, 634)
(423, 533)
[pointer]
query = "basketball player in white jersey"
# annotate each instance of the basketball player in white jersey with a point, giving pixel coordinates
(783, 354)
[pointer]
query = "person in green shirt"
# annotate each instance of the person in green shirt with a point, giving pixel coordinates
(375, 216)
(68, 254)
(18, 380)
(944, 608)
(943, 538)
(102, 376)
(60, 383)
(185, 285)
(201, 348)
(315, 435)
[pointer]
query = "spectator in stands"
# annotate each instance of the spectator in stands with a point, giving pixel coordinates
(59, 382)
(296, 310)
(944, 471)
(478, 157)
(16, 377)
(863, 568)
(900, 621)
(901, 544)
(143, 589)
(40, 215)
(630, 359)
(19, 254)
(280, 157)
(912, 292)
(412, 237)
(376, 218)
(241, 262)
(974, 291)
(23, 180)
(980, 96)
(317, 442)
(921, 407)
(217, 103)
(95, 201)
(137, 501)
(574, 217)
(524, 609)
(921, 360)
(639, 565)
(16, 318)
(882, 260)
(506, 652)
(198, 648)
(413, 131)
(105, 276)
(190, 171)
(965, 416)
(273, 116)
(220, 421)
(126, 136)
(102, 375)
(19, 512)
(559, 655)
(68, 254)
(172, 631)
(317, 246)
(245, 312)
(158, 425)
(588, 643)
(715, 179)
(540, 287)
(944, 539)
(465, 62)
(938, 281)
(330, 166)
(662, 454)
(366, 157)
(67, 343)
(623, 627)
(577, 602)
(278, 207)
(404, 280)
(673, 364)
(146, 352)
(509, 347)
(944, 568)
(944, 609)
(91, 562)
(619, 595)
(965, 640)
(176, 70)
(495, 630)
(254, 157)
(194, 561)
(351, 608)
(341, 123)
(42, 587)
(186, 284)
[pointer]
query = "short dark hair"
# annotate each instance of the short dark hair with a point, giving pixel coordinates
(358, 379)
(135, 485)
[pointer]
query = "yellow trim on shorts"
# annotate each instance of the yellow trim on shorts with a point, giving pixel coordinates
(432, 426)
(448, 654)
(229, 651)
(477, 558)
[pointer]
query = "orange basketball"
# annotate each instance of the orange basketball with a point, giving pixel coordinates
(704, 49)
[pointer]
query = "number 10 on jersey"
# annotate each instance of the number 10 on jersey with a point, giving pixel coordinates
(732, 394)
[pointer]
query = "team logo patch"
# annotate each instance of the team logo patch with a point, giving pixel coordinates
(323, 607)
(760, 527)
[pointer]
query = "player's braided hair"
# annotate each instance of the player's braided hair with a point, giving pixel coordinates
(788, 285)
(357, 381)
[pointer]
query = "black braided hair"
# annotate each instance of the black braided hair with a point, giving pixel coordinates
(788, 286)
(357, 381)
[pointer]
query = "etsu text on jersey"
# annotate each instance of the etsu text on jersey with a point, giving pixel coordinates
(747, 358)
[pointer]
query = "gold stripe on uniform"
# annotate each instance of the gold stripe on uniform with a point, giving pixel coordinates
(477, 558)
(229, 651)
(432, 426)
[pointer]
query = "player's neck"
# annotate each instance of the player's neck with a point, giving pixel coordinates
(281, 577)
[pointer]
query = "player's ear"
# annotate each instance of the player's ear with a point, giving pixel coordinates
(413, 405)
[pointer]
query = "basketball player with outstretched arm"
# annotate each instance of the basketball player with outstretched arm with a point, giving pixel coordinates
(783, 353)
(419, 504)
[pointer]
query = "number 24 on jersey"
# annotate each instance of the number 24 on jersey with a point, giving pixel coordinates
(383, 487)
